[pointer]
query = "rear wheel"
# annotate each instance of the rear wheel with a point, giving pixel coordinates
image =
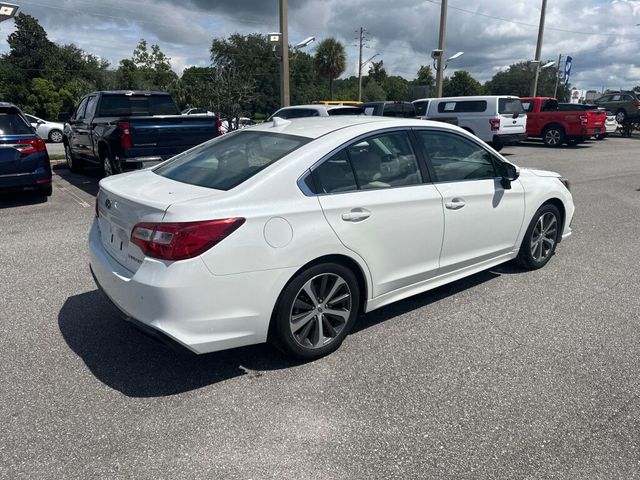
(107, 164)
(541, 238)
(315, 311)
(55, 136)
(73, 163)
(553, 137)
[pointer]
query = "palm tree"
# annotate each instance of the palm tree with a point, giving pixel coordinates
(330, 61)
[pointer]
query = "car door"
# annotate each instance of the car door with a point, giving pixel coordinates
(378, 200)
(83, 130)
(77, 132)
(482, 219)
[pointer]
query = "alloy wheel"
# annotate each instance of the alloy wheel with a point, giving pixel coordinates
(107, 168)
(320, 311)
(55, 136)
(552, 137)
(544, 236)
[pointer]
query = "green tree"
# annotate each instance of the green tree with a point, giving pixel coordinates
(330, 61)
(424, 83)
(377, 72)
(30, 48)
(518, 78)
(397, 88)
(373, 92)
(46, 100)
(461, 83)
(154, 67)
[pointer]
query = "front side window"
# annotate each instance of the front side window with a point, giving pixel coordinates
(91, 106)
(79, 113)
(229, 160)
(455, 158)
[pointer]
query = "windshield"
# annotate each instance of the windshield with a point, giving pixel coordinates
(122, 105)
(509, 106)
(228, 161)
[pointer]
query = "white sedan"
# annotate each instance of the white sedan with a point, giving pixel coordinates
(50, 131)
(288, 230)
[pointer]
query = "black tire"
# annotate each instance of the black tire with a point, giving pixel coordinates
(531, 258)
(55, 136)
(107, 164)
(293, 301)
(74, 164)
(553, 136)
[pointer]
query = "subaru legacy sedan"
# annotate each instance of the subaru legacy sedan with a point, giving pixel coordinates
(288, 230)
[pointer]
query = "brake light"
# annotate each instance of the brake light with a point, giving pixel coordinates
(177, 241)
(495, 124)
(218, 127)
(28, 147)
(125, 135)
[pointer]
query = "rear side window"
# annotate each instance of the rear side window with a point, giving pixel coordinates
(136, 105)
(228, 161)
(468, 106)
(527, 106)
(455, 158)
(509, 106)
(11, 123)
(421, 108)
(335, 175)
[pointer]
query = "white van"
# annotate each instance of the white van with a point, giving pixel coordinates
(498, 120)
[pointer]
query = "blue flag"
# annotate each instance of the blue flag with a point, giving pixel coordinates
(567, 70)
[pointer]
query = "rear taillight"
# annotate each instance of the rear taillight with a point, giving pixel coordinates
(495, 124)
(177, 241)
(125, 135)
(218, 127)
(27, 147)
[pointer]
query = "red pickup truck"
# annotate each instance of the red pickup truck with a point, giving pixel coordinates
(555, 126)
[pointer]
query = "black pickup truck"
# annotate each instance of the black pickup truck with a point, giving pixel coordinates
(127, 130)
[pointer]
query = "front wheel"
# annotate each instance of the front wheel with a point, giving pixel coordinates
(553, 137)
(541, 238)
(315, 311)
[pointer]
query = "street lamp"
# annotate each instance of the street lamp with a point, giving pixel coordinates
(277, 39)
(438, 64)
(304, 43)
(7, 11)
(536, 63)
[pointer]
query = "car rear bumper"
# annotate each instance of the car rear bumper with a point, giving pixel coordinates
(509, 138)
(41, 178)
(183, 301)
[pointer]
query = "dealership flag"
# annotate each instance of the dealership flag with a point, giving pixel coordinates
(567, 70)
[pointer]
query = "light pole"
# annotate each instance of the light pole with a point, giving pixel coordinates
(276, 39)
(440, 66)
(534, 86)
(284, 49)
(360, 65)
(439, 56)
(7, 11)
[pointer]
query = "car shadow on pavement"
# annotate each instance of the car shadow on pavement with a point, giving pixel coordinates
(86, 181)
(21, 199)
(129, 361)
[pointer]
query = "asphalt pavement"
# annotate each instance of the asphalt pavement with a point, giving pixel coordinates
(507, 374)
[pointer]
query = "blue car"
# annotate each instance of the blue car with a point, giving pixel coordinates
(24, 161)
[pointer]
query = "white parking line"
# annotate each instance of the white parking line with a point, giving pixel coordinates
(59, 182)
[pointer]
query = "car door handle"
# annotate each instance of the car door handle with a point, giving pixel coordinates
(455, 204)
(356, 215)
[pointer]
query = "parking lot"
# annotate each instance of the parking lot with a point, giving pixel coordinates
(506, 374)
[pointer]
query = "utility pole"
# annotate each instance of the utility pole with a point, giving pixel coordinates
(555, 90)
(534, 87)
(441, 38)
(284, 50)
(361, 39)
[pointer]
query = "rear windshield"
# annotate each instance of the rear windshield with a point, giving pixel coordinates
(508, 106)
(136, 105)
(228, 161)
(11, 123)
(346, 111)
(421, 108)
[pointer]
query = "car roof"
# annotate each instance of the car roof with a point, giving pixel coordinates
(315, 127)
(476, 97)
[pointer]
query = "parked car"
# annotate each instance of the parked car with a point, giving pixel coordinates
(611, 124)
(24, 161)
(497, 120)
(390, 109)
(316, 110)
(557, 127)
(626, 105)
(196, 111)
(125, 130)
(51, 131)
(289, 230)
(242, 122)
(422, 106)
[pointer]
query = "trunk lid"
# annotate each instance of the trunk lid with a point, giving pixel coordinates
(513, 118)
(15, 157)
(131, 198)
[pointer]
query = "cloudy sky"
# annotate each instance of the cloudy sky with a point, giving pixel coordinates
(602, 36)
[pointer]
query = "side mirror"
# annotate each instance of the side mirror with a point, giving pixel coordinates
(40, 122)
(509, 174)
(64, 116)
